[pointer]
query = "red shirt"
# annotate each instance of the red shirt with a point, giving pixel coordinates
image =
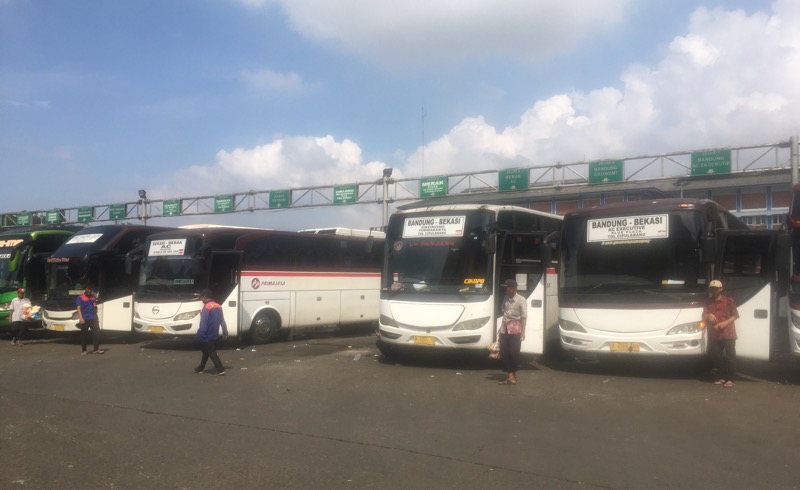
(723, 308)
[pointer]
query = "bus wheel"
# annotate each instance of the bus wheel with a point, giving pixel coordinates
(265, 328)
(387, 350)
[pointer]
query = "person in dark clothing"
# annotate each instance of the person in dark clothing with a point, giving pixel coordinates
(211, 319)
(86, 304)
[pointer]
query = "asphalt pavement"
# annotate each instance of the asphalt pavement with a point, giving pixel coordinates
(326, 410)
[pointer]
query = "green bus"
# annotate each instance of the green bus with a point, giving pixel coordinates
(23, 251)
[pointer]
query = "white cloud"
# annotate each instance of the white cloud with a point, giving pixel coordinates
(268, 80)
(420, 32)
(300, 161)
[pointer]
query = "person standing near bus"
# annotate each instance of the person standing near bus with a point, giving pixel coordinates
(512, 330)
(18, 305)
(86, 305)
(720, 313)
(211, 319)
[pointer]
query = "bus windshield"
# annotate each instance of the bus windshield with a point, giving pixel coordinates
(170, 268)
(434, 253)
(648, 258)
(9, 268)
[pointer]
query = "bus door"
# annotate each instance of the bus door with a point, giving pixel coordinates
(523, 257)
(748, 272)
(223, 281)
(115, 293)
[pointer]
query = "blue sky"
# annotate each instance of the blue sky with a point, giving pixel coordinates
(198, 97)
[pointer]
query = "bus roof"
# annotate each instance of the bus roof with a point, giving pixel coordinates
(103, 237)
(475, 207)
(344, 232)
(648, 205)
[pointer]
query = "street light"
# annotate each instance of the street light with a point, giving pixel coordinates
(387, 173)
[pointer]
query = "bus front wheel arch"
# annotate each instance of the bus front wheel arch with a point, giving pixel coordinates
(265, 328)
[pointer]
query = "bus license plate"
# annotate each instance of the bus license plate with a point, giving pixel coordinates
(156, 329)
(58, 328)
(424, 340)
(624, 346)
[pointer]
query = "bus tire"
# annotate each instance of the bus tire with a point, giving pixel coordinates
(265, 328)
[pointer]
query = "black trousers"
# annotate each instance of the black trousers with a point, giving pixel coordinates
(725, 365)
(210, 350)
(18, 330)
(94, 326)
(510, 345)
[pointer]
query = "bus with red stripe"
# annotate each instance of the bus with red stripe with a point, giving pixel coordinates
(268, 282)
(443, 270)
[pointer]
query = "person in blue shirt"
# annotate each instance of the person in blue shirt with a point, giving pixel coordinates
(211, 319)
(86, 304)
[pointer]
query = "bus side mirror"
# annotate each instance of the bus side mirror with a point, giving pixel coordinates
(491, 242)
(550, 247)
(128, 265)
(709, 249)
(197, 267)
(370, 243)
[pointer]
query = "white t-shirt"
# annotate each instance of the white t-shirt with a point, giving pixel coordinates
(16, 308)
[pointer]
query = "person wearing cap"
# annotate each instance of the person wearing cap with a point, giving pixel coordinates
(18, 305)
(512, 330)
(211, 319)
(720, 313)
(86, 305)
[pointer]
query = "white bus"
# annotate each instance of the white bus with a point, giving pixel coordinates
(633, 278)
(443, 269)
(266, 281)
(99, 255)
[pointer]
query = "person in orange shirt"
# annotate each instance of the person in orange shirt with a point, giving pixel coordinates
(720, 313)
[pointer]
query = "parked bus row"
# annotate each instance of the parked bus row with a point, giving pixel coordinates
(628, 278)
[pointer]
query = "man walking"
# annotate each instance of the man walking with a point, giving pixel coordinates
(211, 319)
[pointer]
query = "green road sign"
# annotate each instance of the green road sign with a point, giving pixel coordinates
(280, 199)
(84, 215)
(711, 162)
(223, 204)
(606, 171)
(24, 219)
(433, 186)
(52, 217)
(513, 180)
(116, 211)
(171, 207)
(345, 194)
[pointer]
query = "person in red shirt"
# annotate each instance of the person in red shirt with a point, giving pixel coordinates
(720, 313)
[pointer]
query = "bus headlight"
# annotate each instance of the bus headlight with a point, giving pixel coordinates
(570, 326)
(186, 316)
(471, 324)
(388, 321)
(5, 306)
(694, 327)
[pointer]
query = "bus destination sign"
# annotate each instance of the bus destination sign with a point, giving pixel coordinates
(628, 228)
(434, 226)
(167, 247)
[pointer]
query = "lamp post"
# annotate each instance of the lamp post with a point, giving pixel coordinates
(387, 174)
(143, 205)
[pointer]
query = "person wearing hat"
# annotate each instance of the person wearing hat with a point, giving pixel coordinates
(86, 304)
(18, 305)
(512, 330)
(720, 313)
(211, 319)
